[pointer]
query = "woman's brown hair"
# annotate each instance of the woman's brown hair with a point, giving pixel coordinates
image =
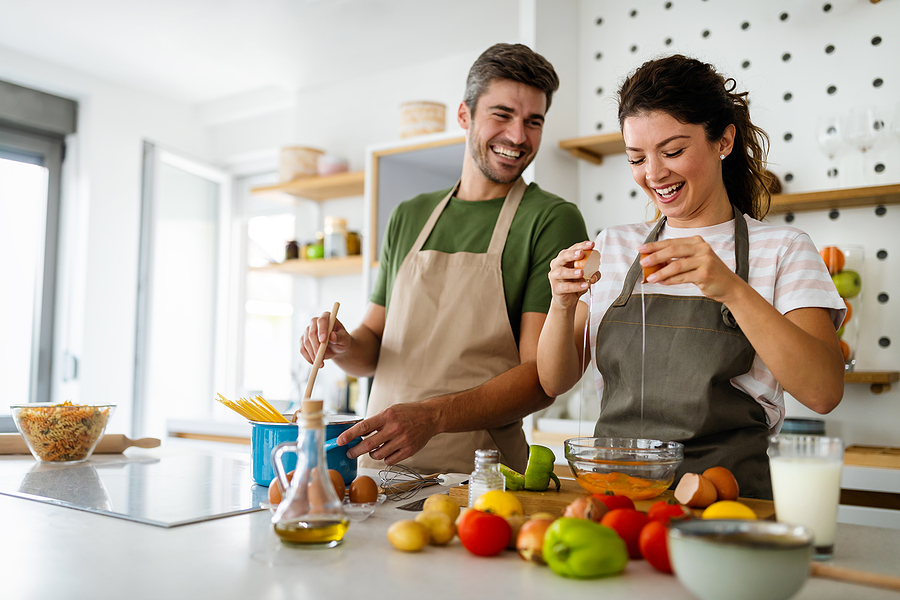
(693, 92)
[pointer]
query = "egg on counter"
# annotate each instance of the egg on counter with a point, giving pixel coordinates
(363, 490)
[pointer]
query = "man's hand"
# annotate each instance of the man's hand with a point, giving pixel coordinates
(314, 335)
(400, 431)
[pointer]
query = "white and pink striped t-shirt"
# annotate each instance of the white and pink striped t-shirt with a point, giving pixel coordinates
(785, 269)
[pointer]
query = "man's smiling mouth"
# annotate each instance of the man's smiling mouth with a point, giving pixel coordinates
(507, 152)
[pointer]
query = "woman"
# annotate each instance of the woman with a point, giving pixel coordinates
(739, 311)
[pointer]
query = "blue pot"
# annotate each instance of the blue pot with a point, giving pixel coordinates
(265, 437)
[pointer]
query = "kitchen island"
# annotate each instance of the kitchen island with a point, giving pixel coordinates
(51, 551)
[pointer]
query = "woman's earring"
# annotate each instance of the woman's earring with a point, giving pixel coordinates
(721, 157)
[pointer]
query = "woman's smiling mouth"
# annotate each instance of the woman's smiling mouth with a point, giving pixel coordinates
(669, 192)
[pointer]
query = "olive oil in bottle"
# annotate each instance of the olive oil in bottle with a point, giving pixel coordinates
(311, 514)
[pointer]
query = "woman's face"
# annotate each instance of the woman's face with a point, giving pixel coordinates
(678, 168)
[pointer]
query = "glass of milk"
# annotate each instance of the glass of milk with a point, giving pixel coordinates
(806, 484)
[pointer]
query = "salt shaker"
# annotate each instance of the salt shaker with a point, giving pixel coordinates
(486, 477)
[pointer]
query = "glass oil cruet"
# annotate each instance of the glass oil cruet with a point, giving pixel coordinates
(310, 514)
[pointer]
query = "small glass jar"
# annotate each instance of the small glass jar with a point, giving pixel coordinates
(335, 237)
(486, 477)
(292, 250)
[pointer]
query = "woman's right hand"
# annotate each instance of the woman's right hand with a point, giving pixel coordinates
(567, 282)
(314, 336)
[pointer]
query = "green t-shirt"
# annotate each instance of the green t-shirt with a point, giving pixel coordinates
(543, 225)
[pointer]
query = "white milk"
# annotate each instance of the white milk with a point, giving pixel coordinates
(807, 492)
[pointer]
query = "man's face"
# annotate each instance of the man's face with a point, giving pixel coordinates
(504, 133)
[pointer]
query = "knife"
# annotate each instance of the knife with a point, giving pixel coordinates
(110, 443)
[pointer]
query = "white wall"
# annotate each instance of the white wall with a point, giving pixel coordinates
(624, 41)
(100, 222)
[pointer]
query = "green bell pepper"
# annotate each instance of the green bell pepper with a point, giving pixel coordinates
(514, 481)
(583, 549)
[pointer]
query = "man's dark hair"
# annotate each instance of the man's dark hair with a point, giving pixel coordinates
(516, 62)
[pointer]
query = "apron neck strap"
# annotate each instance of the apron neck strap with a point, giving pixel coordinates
(501, 229)
(741, 256)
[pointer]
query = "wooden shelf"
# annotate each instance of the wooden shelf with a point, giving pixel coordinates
(594, 147)
(352, 265)
(845, 198)
(879, 381)
(318, 189)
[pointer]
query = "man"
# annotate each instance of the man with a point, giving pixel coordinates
(451, 330)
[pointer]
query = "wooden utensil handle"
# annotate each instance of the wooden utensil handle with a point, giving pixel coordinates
(850, 575)
(320, 355)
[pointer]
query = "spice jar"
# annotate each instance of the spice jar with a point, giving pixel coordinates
(354, 243)
(486, 477)
(292, 250)
(335, 237)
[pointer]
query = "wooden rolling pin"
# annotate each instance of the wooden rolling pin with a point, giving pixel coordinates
(850, 575)
(110, 443)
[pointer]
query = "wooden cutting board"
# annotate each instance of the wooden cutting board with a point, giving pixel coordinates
(555, 502)
(886, 457)
(110, 443)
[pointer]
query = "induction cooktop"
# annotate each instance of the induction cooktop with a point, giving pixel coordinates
(165, 490)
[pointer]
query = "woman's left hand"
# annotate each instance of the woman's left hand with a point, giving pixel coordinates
(690, 260)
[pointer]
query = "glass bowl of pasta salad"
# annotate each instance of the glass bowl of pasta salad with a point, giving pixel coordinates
(62, 433)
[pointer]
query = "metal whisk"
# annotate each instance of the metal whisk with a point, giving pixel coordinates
(400, 482)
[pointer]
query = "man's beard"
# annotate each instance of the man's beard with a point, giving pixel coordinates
(480, 155)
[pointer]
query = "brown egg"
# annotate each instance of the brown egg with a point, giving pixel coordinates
(316, 493)
(363, 490)
(275, 491)
(648, 271)
(338, 481)
(695, 491)
(725, 483)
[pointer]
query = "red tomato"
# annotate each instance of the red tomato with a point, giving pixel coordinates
(613, 501)
(667, 510)
(482, 533)
(627, 522)
(655, 546)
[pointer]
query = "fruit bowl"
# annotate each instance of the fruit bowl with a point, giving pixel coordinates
(637, 468)
(740, 560)
(61, 433)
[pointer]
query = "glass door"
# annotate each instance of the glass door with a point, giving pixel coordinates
(30, 166)
(184, 291)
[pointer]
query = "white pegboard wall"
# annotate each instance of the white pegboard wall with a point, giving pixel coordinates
(798, 60)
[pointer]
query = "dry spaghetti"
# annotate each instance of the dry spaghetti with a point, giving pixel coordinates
(62, 432)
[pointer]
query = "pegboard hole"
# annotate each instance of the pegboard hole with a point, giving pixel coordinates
(879, 168)
(881, 254)
(633, 14)
(668, 41)
(599, 21)
(745, 64)
(706, 33)
(599, 126)
(877, 82)
(634, 193)
(832, 172)
(880, 210)
(786, 56)
(829, 49)
(745, 25)
(600, 91)
(883, 297)
(826, 7)
(788, 176)
(884, 341)
(668, 5)
(598, 56)
(788, 136)
(876, 40)
(831, 89)
(599, 197)
(634, 49)
(834, 214)
(788, 96)
(789, 218)
(784, 16)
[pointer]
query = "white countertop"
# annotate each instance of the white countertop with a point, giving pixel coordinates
(51, 551)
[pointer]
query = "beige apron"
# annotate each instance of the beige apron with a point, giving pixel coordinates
(447, 331)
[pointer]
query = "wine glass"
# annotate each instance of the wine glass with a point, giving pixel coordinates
(828, 134)
(862, 129)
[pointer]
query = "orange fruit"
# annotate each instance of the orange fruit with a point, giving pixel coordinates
(833, 257)
(849, 312)
(845, 349)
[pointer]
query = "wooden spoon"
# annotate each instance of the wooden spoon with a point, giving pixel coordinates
(852, 576)
(320, 357)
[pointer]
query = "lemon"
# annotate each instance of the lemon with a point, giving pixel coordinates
(504, 504)
(728, 509)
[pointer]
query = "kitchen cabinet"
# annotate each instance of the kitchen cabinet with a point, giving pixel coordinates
(316, 189)
(401, 170)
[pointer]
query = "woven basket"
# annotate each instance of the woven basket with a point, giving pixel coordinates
(421, 117)
(297, 161)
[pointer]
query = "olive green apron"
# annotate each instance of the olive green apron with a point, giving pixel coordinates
(693, 350)
(447, 331)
